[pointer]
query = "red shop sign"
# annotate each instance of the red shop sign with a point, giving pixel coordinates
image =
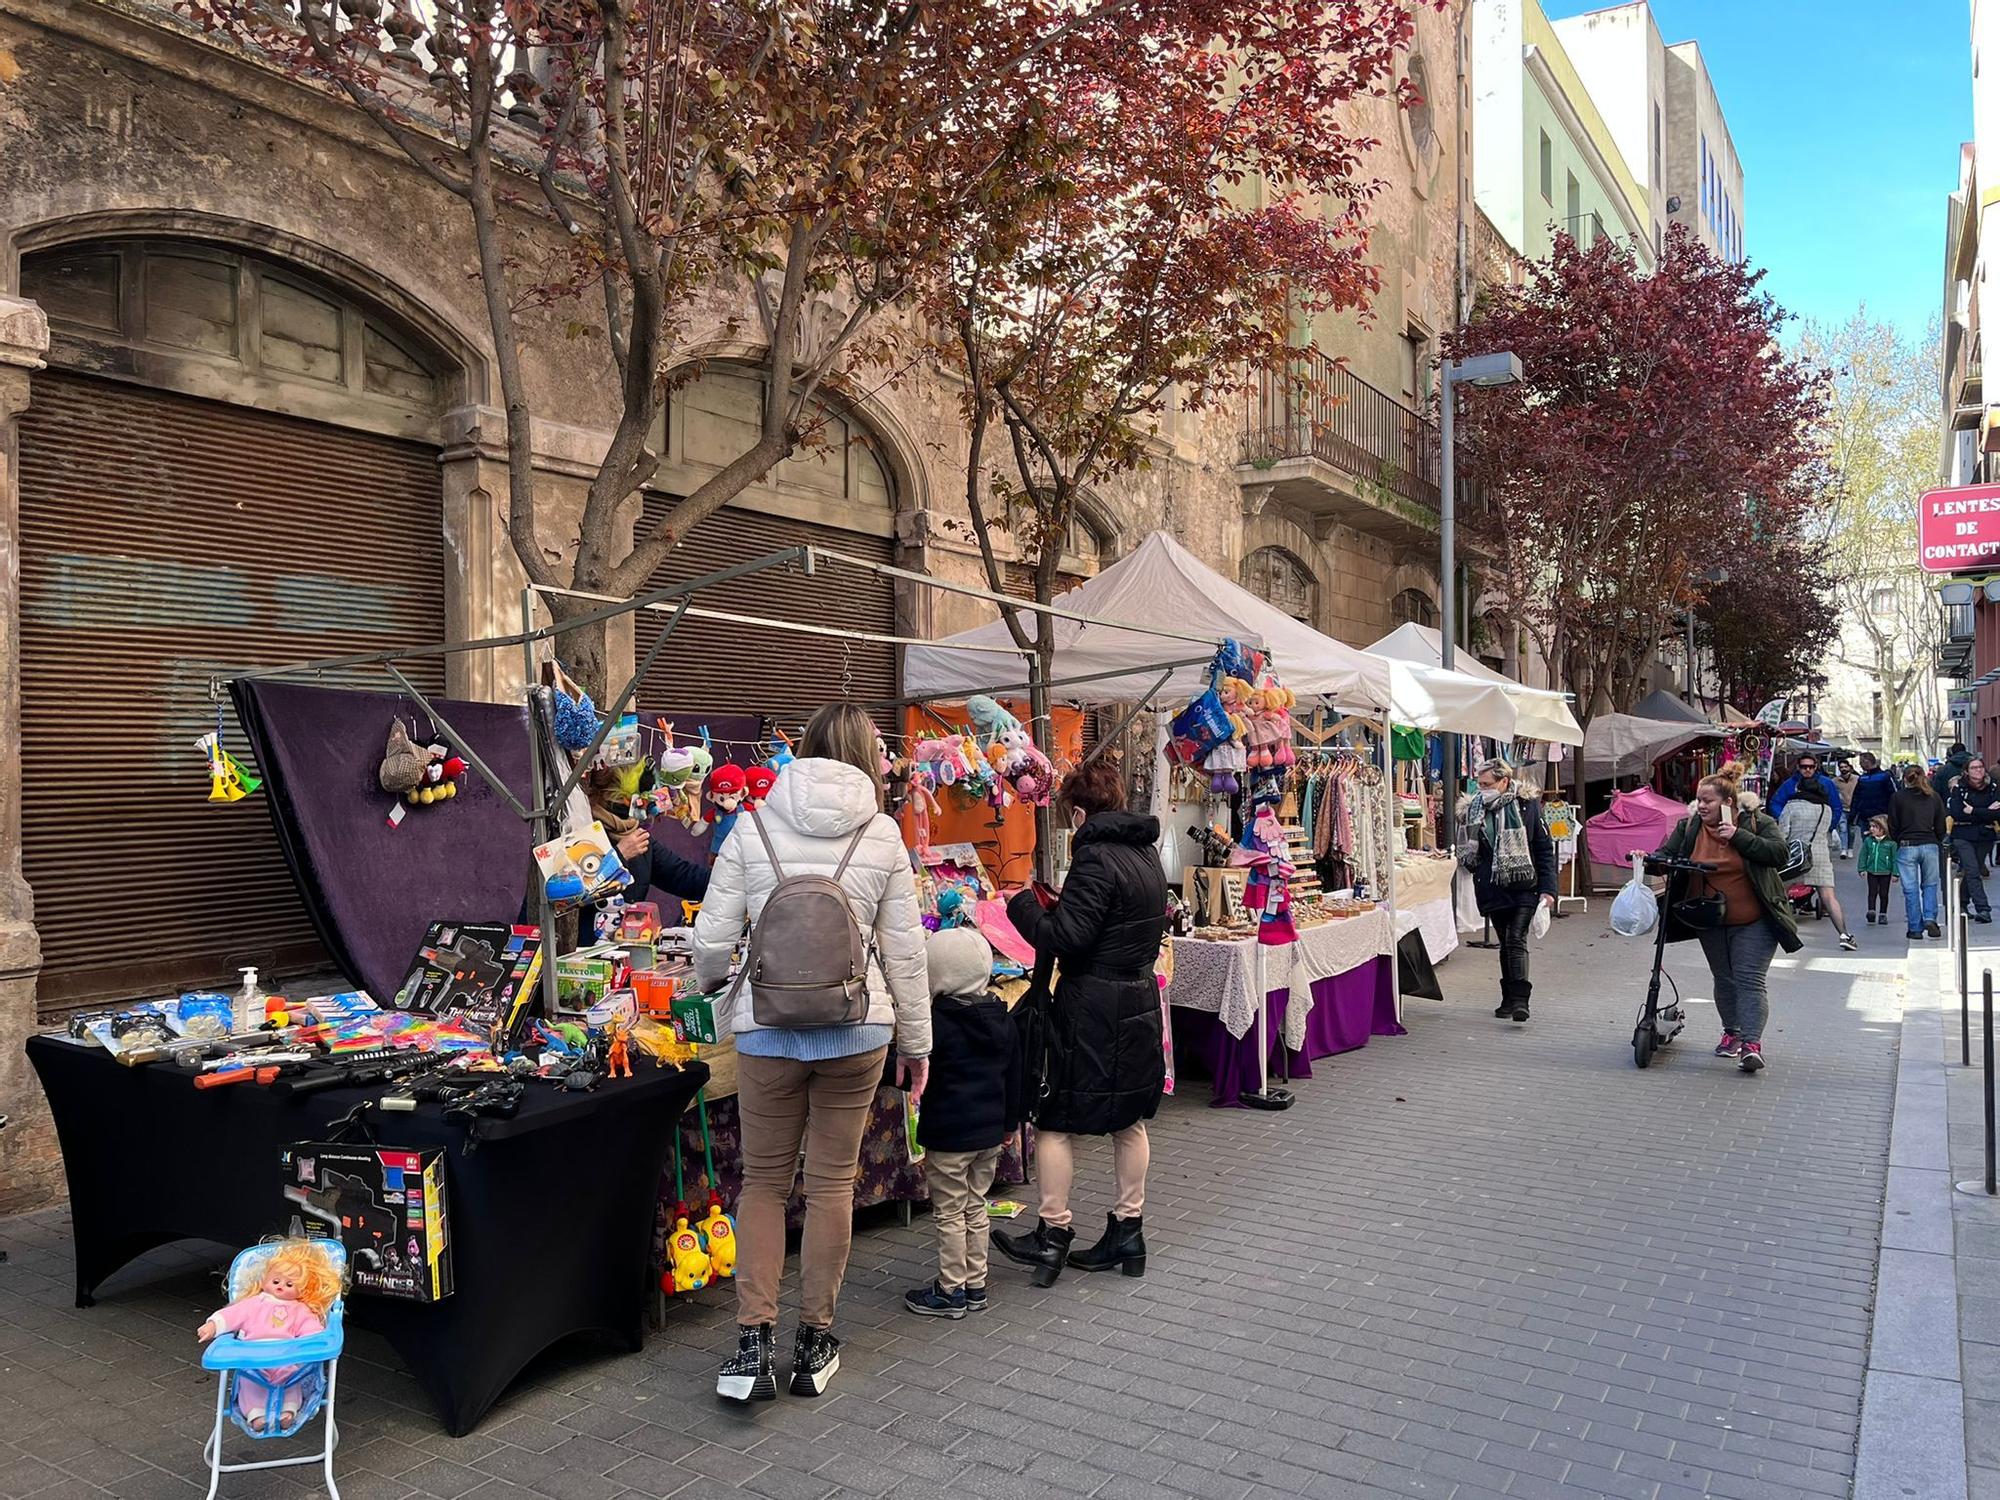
(1959, 528)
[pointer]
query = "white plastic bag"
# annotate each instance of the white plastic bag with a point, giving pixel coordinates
(1634, 909)
(1539, 928)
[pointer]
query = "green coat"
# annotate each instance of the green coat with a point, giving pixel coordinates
(1764, 852)
(1878, 856)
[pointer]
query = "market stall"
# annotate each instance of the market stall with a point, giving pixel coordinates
(1637, 822)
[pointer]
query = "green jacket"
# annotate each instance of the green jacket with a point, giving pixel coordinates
(1878, 856)
(1764, 852)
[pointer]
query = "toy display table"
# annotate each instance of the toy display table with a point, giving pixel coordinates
(1329, 992)
(551, 1216)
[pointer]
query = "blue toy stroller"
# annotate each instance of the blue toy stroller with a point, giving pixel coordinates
(309, 1388)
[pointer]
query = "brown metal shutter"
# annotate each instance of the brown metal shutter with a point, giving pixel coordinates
(715, 664)
(165, 539)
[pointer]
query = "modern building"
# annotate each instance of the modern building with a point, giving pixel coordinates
(1704, 178)
(1546, 159)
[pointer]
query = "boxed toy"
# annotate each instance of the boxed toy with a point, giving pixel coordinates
(482, 973)
(580, 866)
(385, 1204)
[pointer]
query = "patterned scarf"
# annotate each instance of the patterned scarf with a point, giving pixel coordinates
(1507, 836)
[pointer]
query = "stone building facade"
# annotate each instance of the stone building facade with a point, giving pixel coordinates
(248, 415)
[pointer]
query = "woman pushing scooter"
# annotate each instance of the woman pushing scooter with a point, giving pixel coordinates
(1737, 908)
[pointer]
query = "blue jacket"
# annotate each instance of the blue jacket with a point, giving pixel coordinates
(1790, 789)
(1872, 795)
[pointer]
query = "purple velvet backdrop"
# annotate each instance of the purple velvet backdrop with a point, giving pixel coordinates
(1347, 1010)
(371, 890)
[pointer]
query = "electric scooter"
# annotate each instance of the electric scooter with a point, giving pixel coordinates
(1657, 1025)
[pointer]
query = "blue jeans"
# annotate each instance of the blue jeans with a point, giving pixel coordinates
(1739, 959)
(1920, 869)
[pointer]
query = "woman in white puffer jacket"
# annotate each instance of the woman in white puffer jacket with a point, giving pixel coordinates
(813, 1086)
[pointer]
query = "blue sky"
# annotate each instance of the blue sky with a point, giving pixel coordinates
(1847, 115)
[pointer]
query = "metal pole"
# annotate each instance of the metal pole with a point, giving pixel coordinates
(1964, 996)
(1448, 579)
(1986, 1044)
(1690, 655)
(539, 821)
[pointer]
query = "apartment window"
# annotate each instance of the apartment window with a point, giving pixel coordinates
(1573, 205)
(1882, 602)
(1659, 174)
(1704, 179)
(1659, 240)
(1548, 171)
(1416, 367)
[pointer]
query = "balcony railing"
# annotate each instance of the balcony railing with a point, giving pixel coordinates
(1315, 408)
(1585, 229)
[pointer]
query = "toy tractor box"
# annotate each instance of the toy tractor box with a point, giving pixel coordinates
(482, 973)
(385, 1204)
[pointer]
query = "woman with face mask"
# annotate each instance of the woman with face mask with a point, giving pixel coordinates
(1513, 863)
(1106, 1064)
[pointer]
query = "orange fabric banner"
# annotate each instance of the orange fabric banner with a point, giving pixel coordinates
(1005, 839)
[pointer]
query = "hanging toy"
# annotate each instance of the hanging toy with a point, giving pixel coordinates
(758, 781)
(228, 781)
(718, 1233)
(781, 752)
(728, 786)
(1025, 768)
(991, 720)
(701, 760)
(441, 772)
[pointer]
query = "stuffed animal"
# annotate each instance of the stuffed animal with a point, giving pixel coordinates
(691, 1265)
(718, 1232)
(781, 753)
(989, 718)
(728, 786)
(1025, 768)
(758, 781)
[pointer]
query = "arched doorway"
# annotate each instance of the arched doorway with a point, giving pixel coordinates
(840, 492)
(1281, 579)
(1414, 607)
(229, 463)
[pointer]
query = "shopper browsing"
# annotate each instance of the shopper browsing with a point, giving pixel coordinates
(1916, 823)
(971, 1104)
(1878, 863)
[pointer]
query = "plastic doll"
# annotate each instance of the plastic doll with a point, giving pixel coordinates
(298, 1288)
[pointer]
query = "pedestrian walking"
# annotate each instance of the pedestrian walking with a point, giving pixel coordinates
(1105, 1063)
(1738, 910)
(971, 1104)
(1874, 790)
(1806, 768)
(1973, 805)
(804, 1086)
(1845, 780)
(1916, 823)
(1878, 863)
(1955, 761)
(1809, 820)
(1513, 863)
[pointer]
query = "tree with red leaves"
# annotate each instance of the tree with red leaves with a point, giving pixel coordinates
(1198, 194)
(1658, 433)
(1769, 626)
(816, 156)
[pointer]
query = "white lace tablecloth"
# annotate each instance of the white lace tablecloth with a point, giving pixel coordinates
(1220, 977)
(1421, 879)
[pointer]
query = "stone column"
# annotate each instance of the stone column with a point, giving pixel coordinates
(30, 1162)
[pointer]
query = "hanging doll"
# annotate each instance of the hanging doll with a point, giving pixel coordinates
(728, 786)
(758, 781)
(297, 1289)
(1268, 892)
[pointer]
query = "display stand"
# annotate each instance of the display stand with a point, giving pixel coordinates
(1265, 1096)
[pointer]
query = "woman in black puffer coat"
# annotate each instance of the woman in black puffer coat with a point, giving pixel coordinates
(1106, 1063)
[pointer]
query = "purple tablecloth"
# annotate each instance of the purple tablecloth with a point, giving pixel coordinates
(1347, 1010)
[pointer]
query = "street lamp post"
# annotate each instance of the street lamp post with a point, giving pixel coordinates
(1483, 370)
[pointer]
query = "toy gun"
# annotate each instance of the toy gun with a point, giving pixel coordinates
(433, 1091)
(499, 1098)
(257, 1067)
(364, 1068)
(191, 1051)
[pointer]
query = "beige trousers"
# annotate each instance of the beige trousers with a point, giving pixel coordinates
(1055, 1169)
(959, 1182)
(822, 1106)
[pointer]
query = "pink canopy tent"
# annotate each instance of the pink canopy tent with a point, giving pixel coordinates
(1636, 821)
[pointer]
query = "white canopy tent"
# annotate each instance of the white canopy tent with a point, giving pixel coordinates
(1624, 744)
(1161, 587)
(1539, 714)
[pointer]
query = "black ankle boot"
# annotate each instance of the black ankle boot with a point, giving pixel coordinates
(1044, 1247)
(1123, 1247)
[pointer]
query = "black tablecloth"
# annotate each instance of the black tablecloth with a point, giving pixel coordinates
(551, 1216)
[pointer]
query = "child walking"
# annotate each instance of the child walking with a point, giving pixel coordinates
(1878, 863)
(970, 1105)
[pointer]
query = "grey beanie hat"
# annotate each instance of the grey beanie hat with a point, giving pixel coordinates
(961, 962)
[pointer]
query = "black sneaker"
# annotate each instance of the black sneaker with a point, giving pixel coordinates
(975, 1299)
(1914, 933)
(934, 1301)
(815, 1360)
(1847, 942)
(748, 1374)
(1931, 930)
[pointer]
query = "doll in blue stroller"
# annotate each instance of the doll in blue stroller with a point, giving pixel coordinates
(276, 1347)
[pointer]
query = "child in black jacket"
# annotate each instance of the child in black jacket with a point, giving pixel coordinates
(970, 1105)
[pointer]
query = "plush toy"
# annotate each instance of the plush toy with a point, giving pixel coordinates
(687, 806)
(728, 786)
(781, 753)
(757, 782)
(295, 1289)
(1025, 768)
(989, 718)
(691, 1265)
(718, 1232)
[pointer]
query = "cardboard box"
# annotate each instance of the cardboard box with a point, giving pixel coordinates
(386, 1205)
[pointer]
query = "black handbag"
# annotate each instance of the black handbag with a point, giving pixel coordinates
(1031, 1034)
(1701, 912)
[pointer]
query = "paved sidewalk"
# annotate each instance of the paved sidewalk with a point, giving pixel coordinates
(1478, 1260)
